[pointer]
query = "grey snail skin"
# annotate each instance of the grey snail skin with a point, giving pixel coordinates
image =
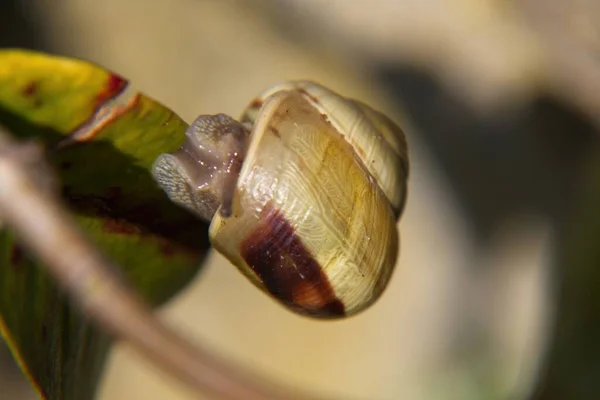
(303, 195)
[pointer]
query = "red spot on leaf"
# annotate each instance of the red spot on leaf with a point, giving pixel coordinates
(114, 86)
(30, 91)
(120, 226)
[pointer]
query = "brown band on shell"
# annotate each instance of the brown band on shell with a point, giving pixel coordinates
(307, 94)
(288, 270)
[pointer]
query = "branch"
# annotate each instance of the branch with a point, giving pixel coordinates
(30, 205)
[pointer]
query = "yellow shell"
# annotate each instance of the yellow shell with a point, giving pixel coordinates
(378, 141)
(316, 202)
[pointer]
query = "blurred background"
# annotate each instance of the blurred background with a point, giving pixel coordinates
(496, 294)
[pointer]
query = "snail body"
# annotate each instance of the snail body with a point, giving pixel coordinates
(303, 195)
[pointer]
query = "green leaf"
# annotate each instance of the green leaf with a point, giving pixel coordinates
(102, 153)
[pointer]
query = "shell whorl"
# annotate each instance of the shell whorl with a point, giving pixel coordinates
(377, 140)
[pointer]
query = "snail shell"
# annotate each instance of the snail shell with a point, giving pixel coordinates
(303, 195)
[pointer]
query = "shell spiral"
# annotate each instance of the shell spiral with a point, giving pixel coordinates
(317, 201)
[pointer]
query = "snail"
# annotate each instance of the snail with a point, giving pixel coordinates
(302, 194)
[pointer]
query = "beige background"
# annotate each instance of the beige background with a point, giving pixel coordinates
(441, 331)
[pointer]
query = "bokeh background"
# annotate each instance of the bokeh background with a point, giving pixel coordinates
(500, 102)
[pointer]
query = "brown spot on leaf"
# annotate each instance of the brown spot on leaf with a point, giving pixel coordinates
(183, 237)
(174, 230)
(30, 89)
(114, 86)
(287, 269)
(65, 165)
(120, 226)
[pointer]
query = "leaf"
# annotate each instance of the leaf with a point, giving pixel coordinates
(102, 152)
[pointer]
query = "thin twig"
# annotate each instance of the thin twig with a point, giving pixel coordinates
(31, 207)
